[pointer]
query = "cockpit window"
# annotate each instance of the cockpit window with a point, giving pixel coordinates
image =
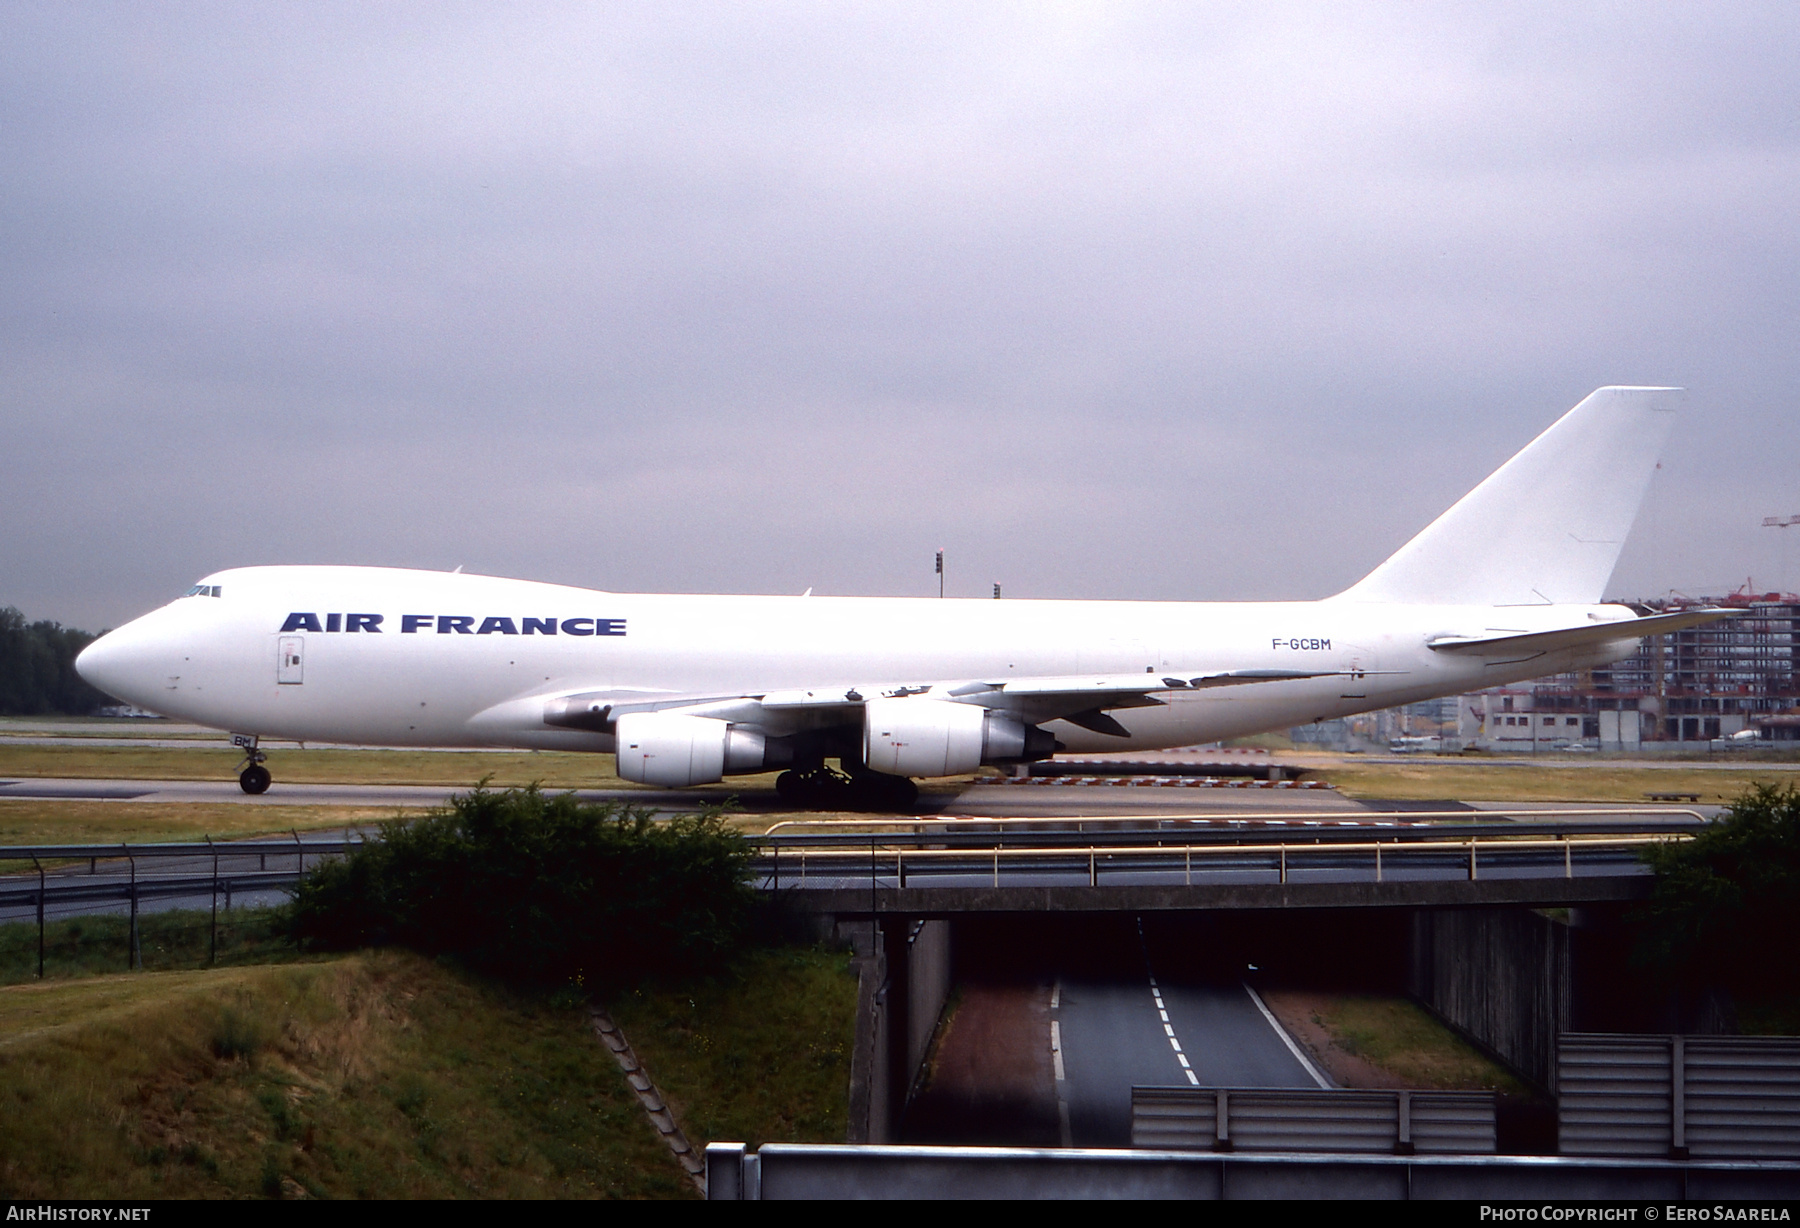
(205, 590)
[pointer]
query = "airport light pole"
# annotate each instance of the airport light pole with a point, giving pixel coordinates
(940, 571)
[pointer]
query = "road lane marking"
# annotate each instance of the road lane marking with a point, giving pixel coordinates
(1062, 1082)
(1293, 1048)
(1162, 1009)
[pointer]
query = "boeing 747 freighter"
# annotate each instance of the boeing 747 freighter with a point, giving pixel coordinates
(686, 690)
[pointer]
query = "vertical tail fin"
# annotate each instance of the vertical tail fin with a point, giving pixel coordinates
(1548, 525)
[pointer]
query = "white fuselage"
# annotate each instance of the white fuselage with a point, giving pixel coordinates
(394, 657)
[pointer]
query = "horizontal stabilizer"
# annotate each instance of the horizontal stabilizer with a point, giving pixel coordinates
(1578, 637)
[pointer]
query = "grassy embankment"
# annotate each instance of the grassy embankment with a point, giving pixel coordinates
(388, 1075)
(1373, 1041)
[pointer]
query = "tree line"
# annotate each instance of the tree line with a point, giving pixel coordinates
(37, 668)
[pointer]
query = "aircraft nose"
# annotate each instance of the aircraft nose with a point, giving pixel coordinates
(127, 664)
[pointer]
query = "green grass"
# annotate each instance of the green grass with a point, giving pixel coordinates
(1478, 782)
(57, 821)
(760, 1056)
(552, 769)
(387, 1075)
(167, 941)
(381, 1075)
(105, 727)
(1401, 1038)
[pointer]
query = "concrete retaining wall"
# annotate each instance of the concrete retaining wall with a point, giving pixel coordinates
(903, 980)
(1501, 976)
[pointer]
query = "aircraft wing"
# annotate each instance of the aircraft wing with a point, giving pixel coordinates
(1083, 699)
(1535, 643)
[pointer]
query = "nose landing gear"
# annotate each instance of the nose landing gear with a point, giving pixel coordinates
(254, 778)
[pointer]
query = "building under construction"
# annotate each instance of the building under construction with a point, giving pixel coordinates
(1732, 679)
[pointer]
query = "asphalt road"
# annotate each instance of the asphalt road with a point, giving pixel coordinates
(1138, 1029)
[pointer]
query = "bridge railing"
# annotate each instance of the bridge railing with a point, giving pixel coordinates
(803, 864)
(1217, 825)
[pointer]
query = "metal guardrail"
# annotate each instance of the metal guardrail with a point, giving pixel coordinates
(1705, 1097)
(1312, 1119)
(821, 1170)
(295, 845)
(806, 864)
(1226, 825)
(213, 869)
(802, 852)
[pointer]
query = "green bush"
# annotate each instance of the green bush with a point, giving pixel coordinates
(1726, 906)
(540, 889)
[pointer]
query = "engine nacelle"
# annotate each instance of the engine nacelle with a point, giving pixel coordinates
(933, 737)
(672, 749)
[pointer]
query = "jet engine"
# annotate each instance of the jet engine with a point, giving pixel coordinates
(671, 749)
(933, 737)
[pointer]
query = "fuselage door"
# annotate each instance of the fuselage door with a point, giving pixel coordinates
(289, 666)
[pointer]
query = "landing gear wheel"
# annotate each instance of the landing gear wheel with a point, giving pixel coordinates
(254, 778)
(822, 788)
(788, 787)
(817, 788)
(879, 791)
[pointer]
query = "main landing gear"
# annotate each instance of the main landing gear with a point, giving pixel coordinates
(254, 778)
(821, 788)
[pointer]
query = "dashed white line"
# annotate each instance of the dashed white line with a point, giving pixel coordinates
(1169, 1031)
(1162, 1010)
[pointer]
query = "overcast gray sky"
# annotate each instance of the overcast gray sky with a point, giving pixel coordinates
(1147, 301)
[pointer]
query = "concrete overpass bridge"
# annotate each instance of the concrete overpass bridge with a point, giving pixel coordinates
(950, 867)
(1458, 897)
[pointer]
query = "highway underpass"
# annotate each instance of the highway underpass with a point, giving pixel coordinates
(1130, 947)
